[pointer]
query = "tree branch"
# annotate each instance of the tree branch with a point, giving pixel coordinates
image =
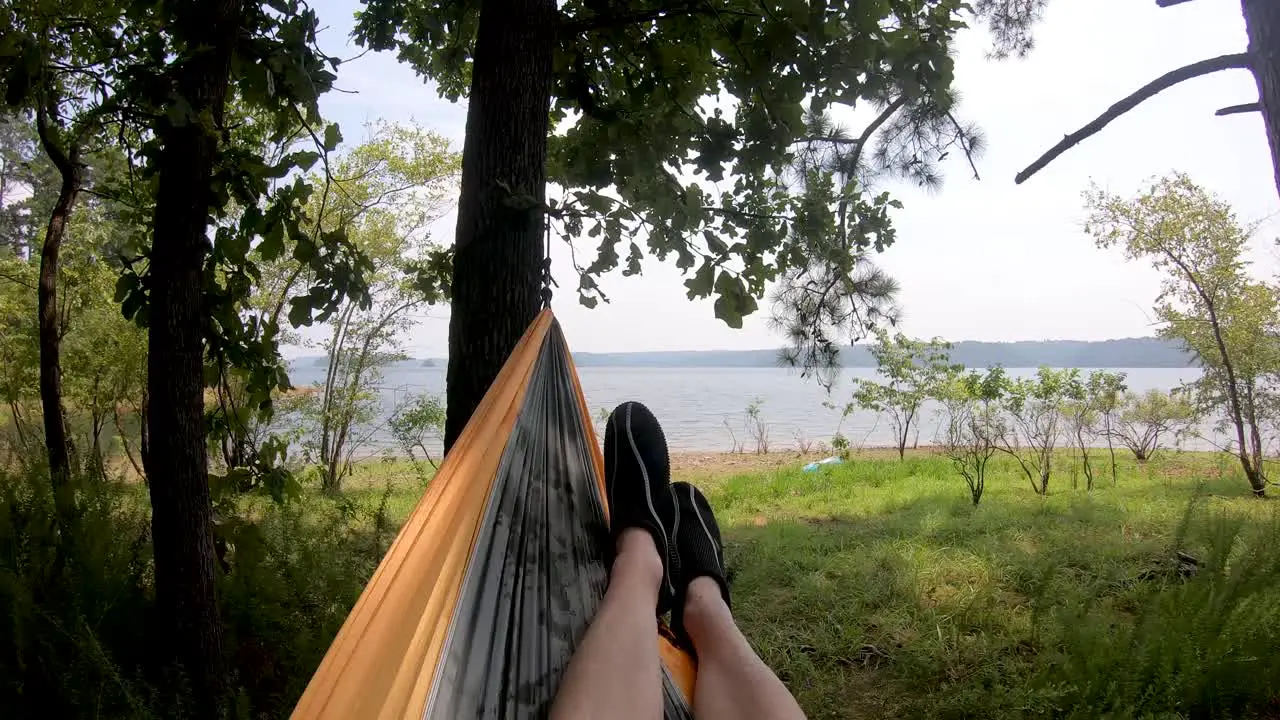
(1164, 82)
(1170, 3)
(606, 21)
(56, 154)
(1239, 109)
(965, 144)
(871, 129)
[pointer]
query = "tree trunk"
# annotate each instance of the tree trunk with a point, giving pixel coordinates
(499, 245)
(1262, 21)
(55, 424)
(181, 518)
(1252, 473)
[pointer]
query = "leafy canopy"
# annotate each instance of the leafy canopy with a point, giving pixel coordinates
(677, 124)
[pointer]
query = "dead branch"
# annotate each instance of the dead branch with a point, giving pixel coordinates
(1239, 109)
(1164, 82)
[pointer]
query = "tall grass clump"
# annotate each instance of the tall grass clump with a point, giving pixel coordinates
(1200, 640)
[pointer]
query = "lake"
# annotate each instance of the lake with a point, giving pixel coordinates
(694, 404)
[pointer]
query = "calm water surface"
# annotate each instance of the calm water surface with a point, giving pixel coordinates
(694, 404)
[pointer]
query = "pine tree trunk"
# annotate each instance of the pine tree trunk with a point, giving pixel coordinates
(181, 518)
(1262, 21)
(50, 330)
(499, 244)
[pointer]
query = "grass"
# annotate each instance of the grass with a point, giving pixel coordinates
(874, 588)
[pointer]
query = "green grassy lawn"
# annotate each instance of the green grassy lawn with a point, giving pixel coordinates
(877, 590)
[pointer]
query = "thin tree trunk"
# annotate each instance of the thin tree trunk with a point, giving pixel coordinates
(1262, 22)
(55, 427)
(1233, 397)
(182, 517)
(124, 444)
(331, 379)
(499, 245)
(1111, 448)
(18, 422)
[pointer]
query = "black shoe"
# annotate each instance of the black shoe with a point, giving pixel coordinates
(637, 475)
(698, 548)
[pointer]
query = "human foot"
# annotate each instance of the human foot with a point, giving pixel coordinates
(698, 547)
(637, 476)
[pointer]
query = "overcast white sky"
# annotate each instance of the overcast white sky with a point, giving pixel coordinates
(979, 260)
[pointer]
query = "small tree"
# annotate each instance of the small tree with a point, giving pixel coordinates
(1207, 300)
(1147, 417)
(1087, 413)
(1034, 410)
(419, 419)
(973, 424)
(1106, 389)
(757, 428)
(913, 372)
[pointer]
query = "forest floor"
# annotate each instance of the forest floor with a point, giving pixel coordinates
(876, 589)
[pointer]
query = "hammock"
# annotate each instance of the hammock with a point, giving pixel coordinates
(491, 583)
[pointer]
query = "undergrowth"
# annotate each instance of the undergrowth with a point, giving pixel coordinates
(80, 637)
(874, 588)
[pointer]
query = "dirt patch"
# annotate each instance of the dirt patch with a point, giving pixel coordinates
(704, 464)
(720, 464)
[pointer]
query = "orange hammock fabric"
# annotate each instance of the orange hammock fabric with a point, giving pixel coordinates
(478, 604)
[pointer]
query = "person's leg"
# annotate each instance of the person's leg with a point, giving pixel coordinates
(733, 682)
(616, 671)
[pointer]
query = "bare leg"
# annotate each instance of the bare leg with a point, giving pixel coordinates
(733, 682)
(615, 672)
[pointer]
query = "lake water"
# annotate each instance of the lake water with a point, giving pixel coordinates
(694, 404)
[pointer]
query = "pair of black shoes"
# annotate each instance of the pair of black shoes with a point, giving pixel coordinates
(641, 495)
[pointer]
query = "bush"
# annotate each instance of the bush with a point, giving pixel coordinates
(80, 630)
(81, 639)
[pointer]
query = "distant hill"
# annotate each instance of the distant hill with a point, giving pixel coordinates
(1125, 353)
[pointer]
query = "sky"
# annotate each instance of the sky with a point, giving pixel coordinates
(979, 259)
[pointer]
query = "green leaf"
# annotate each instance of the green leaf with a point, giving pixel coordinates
(332, 137)
(306, 159)
(126, 284)
(272, 245)
(700, 284)
(299, 312)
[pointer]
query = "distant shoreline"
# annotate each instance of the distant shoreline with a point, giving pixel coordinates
(1134, 353)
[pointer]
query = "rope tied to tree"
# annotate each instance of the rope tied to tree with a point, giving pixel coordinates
(547, 280)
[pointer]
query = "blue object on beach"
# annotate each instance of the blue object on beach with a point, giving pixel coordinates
(833, 460)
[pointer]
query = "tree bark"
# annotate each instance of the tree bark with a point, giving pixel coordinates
(181, 518)
(1262, 21)
(1252, 473)
(50, 331)
(499, 245)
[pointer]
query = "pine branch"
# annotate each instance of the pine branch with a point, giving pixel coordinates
(1239, 109)
(1164, 82)
(965, 144)
(871, 129)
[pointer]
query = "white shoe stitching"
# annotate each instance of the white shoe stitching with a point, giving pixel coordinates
(715, 546)
(648, 498)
